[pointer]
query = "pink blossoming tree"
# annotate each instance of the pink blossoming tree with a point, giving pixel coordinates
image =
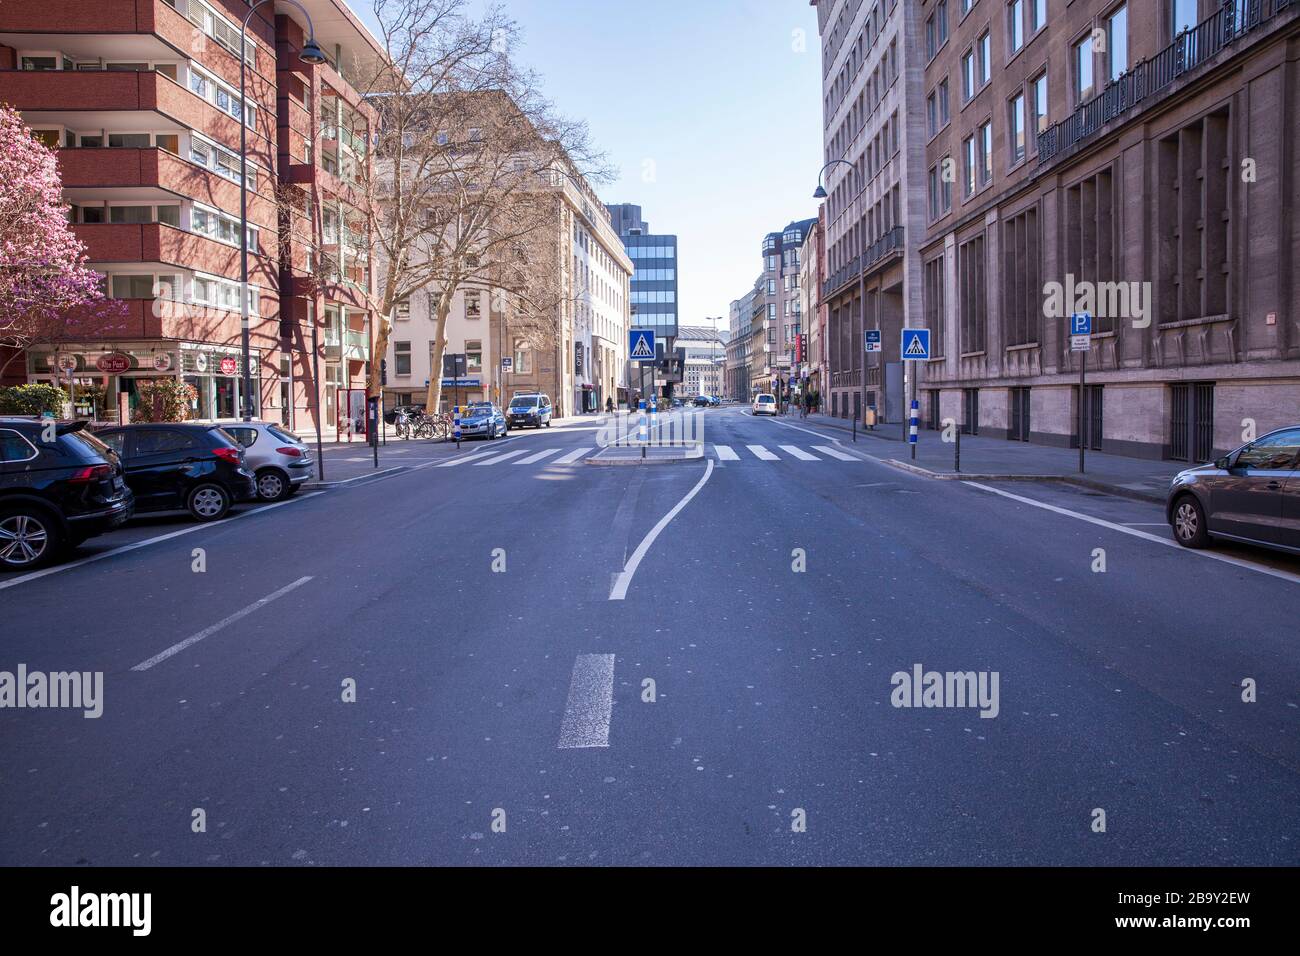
(47, 293)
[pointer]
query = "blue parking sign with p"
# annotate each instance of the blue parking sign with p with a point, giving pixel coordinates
(1081, 323)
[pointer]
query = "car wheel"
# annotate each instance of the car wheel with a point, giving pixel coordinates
(1189, 523)
(272, 485)
(29, 538)
(208, 502)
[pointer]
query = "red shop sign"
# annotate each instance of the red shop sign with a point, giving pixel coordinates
(229, 366)
(113, 363)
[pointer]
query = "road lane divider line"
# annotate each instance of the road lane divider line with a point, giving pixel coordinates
(571, 457)
(225, 622)
(1145, 535)
(798, 452)
(624, 579)
(59, 568)
(762, 453)
(590, 706)
(835, 453)
(537, 456)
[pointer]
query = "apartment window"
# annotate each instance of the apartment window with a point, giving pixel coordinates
(943, 102)
(932, 112)
(40, 63)
(965, 6)
(1038, 102)
(221, 161)
(931, 37)
(971, 287)
(940, 191)
(1037, 15)
(473, 305)
(986, 152)
(970, 170)
(1016, 127)
(402, 358)
(1117, 42)
(474, 356)
(985, 57)
(402, 311)
(129, 214)
(1083, 80)
(1016, 25)
(941, 19)
(968, 74)
(129, 140)
(133, 287)
(932, 302)
(219, 226)
(168, 141)
(1182, 16)
(1021, 278)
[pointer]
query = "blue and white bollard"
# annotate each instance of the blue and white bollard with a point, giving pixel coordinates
(914, 425)
(641, 433)
(455, 423)
(654, 413)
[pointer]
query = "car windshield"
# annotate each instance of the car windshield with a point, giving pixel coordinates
(277, 432)
(523, 403)
(475, 411)
(765, 399)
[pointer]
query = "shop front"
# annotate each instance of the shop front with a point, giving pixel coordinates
(104, 383)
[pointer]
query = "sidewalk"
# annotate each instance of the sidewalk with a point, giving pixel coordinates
(993, 459)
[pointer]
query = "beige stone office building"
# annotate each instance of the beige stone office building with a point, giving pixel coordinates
(1134, 160)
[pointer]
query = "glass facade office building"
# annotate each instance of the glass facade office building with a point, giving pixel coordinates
(654, 280)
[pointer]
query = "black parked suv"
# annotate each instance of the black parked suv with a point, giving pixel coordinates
(59, 485)
(196, 467)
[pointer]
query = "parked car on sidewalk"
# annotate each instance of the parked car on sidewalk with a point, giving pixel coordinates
(532, 408)
(199, 468)
(1251, 495)
(281, 463)
(483, 418)
(59, 486)
(764, 404)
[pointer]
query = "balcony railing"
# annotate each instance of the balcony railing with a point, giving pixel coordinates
(1149, 78)
(892, 241)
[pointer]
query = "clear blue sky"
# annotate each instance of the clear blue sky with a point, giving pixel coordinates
(713, 94)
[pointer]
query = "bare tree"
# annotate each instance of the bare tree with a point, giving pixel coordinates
(464, 188)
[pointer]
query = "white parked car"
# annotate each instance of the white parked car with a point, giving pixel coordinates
(764, 404)
(280, 461)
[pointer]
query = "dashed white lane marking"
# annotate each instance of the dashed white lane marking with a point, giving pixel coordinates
(590, 705)
(571, 457)
(535, 457)
(624, 579)
(226, 622)
(499, 458)
(835, 453)
(460, 461)
(58, 569)
(1167, 542)
(798, 452)
(761, 452)
(725, 453)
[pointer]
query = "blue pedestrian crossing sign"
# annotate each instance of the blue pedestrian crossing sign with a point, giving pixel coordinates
(641, 345)
(915, 345)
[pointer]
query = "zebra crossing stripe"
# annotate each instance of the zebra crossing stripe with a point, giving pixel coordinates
(798, 453)
(725, 453)
(834, 452)
(537, 457)
(460, 461)
(499, 458)
(571, 457)
(762, 453)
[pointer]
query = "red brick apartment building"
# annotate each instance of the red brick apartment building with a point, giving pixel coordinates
(1148, 150)
(141, 100)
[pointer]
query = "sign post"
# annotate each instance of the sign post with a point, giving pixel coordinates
(1081, 341)
(914, 347)
(372, 424)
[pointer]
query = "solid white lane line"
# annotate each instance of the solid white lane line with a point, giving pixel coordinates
(798, 452)
(461, 461)
(761, 452)
(571, 457)
(591, 703)
(209, 631)
(835, 453)
(725, 453)
(625, 577)
(1145, 535)
(500, 458)
(532, 459)
(799, 428)
(57, 569)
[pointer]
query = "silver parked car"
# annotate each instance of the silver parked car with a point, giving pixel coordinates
(1251, 495)
(280, 462)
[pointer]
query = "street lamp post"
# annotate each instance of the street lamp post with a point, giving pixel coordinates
(820, 193)
(311, 53)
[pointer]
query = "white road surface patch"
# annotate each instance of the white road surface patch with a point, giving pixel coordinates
(798, 452)
(725, 453)
(1146, 535)
(761, 452)
(571, 457)
(590, 705)
(226, 622)
(624, 579)
(537, 456)
(835, 453)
